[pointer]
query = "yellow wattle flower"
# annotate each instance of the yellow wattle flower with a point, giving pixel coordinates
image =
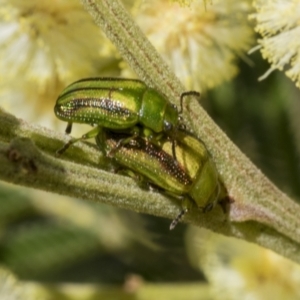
(45, 45)
(278, 23)
(200, 43)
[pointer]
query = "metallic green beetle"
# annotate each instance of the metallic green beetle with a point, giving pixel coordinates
(192, 176)
(119, 105)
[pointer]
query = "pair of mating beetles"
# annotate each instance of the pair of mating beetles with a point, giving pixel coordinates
(140, 130)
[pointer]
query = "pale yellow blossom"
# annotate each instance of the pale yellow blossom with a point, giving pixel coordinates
(278, 23)
(45, 45)
(201, 43)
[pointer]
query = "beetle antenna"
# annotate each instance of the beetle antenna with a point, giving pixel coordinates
(185, 94)
(178, 218)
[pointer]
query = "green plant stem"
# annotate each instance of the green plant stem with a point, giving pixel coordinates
(29, 164)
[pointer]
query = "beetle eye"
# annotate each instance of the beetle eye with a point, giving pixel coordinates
(167, 126)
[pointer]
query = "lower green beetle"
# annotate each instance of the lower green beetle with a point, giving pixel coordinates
(119, 105)
(192, 176)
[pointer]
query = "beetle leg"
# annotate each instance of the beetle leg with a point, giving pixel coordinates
(69, 128)
(135, 132)
(178, 218)
(90, 134)
(187, 204)
(174, 143)
(208, 207)
(120, 143)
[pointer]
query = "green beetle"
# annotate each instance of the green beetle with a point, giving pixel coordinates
(192, 176)
(119, 105)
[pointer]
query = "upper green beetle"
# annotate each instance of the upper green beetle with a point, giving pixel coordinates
(117, 104)
(192, 176)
